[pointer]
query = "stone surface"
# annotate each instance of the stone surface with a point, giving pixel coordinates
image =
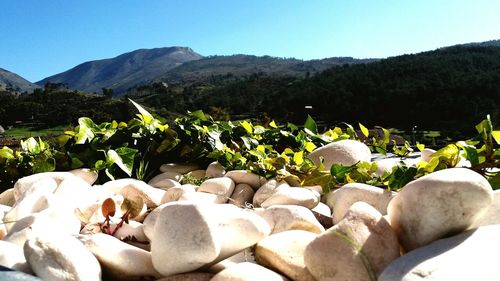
(238, 229)
(61, 257)
(386, 165)
(266, 190)
(345, 152)
(219, 186)
(437, 205)
(166, 180)
(12, 256)
(246, 271)
(323, 209)
(468, 256)
(7, 197)
(174, 193)
(88, 175)
(215, 170)
(340, 200)
(178, 168)
(197, 174)
(284, 252)
(242, 176)
(425, 154)
(291, 217)
(150, 221)
(492, 216)
(203, 198)
(118, 259)
(131, 187)
(184, 238)
(132, 229)
(242, 195)
(358, 248)
(25, 184)
(293, 196)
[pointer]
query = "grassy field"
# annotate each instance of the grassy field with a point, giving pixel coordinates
(26, 132)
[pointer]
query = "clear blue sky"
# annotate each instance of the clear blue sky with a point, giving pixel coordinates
(44, 37)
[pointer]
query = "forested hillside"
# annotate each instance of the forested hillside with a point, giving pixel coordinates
(444, 89)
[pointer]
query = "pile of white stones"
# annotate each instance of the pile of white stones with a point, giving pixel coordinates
(239, 226)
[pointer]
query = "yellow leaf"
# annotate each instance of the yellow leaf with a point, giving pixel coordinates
(310, 146)
(298, 157)
(261, 148)
(364, 130)
(247, 126)
(496, 136)
(272, 124)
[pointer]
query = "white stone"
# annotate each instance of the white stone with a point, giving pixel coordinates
(149, 222)
(25, 184)
(341, 199)
(178, 168)
(12, 256)
(218, 186)
(323, 209)
(49, 220)
(293, 196)
(7, 197)
(386, 165)
(184, 238)
(215, 170)
(242, 176)
(439, 204)
(284, 252)
(88, 175)
(132, 229)
(425, 154)
(242, 195)
(246, 271)
(131, 187)
(203, 198)
(471, 255)
(238, 229)
(197, 174)
(174, 193)
(166, 175)
(344, 152)
(266, 190)
(28, 205)
(358, 248)
(493, 214)
(118, 259)
(291, 217)
(61, 257)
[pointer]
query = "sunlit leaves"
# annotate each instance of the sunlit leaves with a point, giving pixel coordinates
(364, 130)
(310, 125)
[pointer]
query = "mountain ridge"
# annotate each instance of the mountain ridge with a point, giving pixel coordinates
(12, 82)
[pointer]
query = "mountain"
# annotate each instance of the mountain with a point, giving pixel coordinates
(491, 43)
(245, 65)
(124, 71)
(14, 83)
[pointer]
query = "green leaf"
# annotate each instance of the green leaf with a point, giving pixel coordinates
(144, 114)
(309, 146)
(496, 136)
(339, 171)
(401, 176)
(298, 157)
(310, 124)
(123, 157)
(31, 145)
(495, 181)
(364, 130)
(272, 124)
(85, 130)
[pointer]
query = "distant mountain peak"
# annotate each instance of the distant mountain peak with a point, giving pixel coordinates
(123, 71)
(14, 83)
